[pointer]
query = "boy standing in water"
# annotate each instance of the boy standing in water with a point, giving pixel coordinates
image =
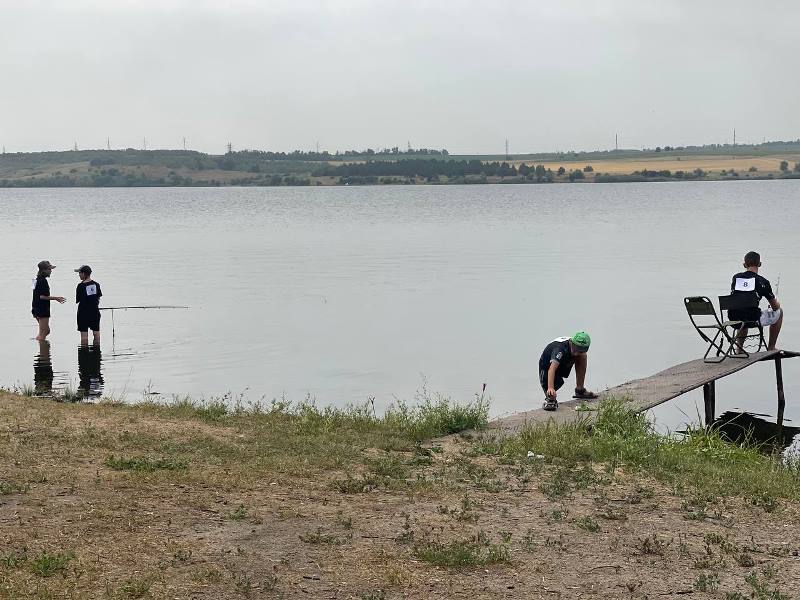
(87, 295)
(40, 307)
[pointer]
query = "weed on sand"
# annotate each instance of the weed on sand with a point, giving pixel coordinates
(47, 564)
(461, 553)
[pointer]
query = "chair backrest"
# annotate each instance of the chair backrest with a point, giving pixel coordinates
(738, 300)
(699, 305)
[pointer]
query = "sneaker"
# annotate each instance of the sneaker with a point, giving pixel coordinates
(584, 394)
(550, 404)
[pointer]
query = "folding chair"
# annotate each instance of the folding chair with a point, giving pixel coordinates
(739, 301)
(701, 306)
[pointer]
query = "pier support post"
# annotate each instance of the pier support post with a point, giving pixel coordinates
(781, 397)
(709, 399)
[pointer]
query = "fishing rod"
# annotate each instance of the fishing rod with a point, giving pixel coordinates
(139, 307)
(113, 308)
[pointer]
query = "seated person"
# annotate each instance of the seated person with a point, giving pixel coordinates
(749, 281)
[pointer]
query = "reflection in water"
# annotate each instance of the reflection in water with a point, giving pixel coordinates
(740, 427)
(90, 375)
(47, 382)
(43, 370)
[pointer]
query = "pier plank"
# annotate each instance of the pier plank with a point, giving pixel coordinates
(641, 394)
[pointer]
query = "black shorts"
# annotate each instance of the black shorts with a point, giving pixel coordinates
(40, 313)
(558, 382)
(87, 322)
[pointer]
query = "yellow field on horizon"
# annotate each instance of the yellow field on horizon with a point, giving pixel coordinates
(622, 166)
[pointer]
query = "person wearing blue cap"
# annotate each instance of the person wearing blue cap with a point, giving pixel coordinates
(555, 365)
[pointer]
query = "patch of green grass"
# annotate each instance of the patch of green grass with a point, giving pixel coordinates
(302, 438)
(243, 583)
(373, 595)
(699, 460)
(144, 463)
(706, 582)
(434, 415)
(745, 560)
(318, 537)
(14, 560)
(587, 524)
(765, 500)
(727, 546)
(431, 415)
(69, 395)
(136, 588)
(468, 553)
(11, 487)
(238, 514)
(389, 466)
(46, 564)
(25, 389)
(653, 545)
(529, 542)
(611, 514)
(558, 486)
(464, 512)
(555, 515)
(762, 586)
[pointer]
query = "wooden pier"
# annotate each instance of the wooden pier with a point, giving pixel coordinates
(643, 394)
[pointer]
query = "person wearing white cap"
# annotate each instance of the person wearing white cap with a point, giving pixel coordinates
(40, 306)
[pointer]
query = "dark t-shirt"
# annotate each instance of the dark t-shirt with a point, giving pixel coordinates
(748, 282)
(39, 307)
(87, 295)
(559, 351)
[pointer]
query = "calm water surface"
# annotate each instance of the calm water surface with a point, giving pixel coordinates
(349, 293)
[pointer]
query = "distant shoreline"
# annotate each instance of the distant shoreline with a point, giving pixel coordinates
(167, 168)
(311, 182)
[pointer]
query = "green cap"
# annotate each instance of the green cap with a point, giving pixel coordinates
(581, 341)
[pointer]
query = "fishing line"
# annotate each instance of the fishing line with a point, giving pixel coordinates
(113, 308)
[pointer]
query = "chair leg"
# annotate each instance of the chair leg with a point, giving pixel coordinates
(733, 348)
(737, 343)
(720, 348)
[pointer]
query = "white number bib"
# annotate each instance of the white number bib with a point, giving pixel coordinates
(745, 284)
(91, 290)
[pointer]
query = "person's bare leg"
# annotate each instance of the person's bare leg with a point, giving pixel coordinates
(740, 339)
(44, 328)
(84, 338)
(774, 330)
(96, 337)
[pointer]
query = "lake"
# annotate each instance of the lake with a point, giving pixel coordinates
(349, 293)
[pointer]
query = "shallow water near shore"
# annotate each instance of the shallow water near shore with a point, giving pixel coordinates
(346, 294)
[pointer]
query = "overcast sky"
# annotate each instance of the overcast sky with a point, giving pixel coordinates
(463, 75)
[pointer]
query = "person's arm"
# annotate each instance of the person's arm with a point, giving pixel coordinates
(580, 371)
(60, 299)
(767, 293)
(551, 379)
